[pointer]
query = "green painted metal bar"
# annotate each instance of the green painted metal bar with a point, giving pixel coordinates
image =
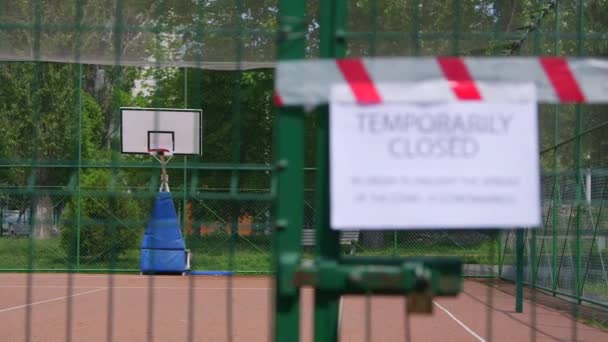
(498, 246)
(373, 23)
(464, 35)
(150, 193)
(288, 224)
(519, 279)
(193, 98)
(79, 171)
(534, 258)
(234, 174)
(456, 32)
(140, 28)
(579, 163)
(185, 168)
(332, 22)
(289, 160)
(36, 109)
(125, 164)
(415, 34)
(260, 32)
(579, 155)
(395, 243)
(533, 283)
(556, 205)
(78, 110)
(117, 71)
(397, 276)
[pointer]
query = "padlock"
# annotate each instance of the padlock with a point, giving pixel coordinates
(420, 299)
(420, 303)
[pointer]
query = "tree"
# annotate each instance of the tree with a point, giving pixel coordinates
(107, 225)
(41, 124)
(219, 102)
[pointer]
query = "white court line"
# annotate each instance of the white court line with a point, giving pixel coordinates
(50, 300)
(137, 287)
(479, 338)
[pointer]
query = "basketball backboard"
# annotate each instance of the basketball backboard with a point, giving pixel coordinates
(145, 129)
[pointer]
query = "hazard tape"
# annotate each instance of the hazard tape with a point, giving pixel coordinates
(557, 80)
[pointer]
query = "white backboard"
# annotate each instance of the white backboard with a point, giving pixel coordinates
(450, 164)
(178, 130)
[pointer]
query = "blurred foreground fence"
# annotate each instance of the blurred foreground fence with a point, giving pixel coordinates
(70, 202)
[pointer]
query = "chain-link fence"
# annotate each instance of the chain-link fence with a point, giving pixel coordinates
(56, 225)
(572, 242)
(69, 201)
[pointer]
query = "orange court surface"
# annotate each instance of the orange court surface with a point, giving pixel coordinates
(88, 307)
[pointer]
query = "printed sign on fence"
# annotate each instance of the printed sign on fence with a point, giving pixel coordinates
(434, 165)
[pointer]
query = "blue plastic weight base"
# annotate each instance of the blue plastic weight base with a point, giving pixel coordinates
(162, 231)
(162, 261)
(163, 248)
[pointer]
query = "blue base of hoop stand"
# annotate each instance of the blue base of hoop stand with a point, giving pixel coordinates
(163, 250)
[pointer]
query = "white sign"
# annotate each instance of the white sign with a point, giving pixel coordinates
(458, 164)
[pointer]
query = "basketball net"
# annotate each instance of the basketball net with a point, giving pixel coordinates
(159, 154)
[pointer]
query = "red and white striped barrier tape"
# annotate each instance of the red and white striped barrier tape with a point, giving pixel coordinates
(375, 80)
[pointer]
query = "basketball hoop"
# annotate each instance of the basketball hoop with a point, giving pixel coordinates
(161, 133)
(159, 154)
(161, 151)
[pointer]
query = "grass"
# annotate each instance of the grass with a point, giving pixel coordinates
(245, 255)
(48, 255)
(248, 255)
(32, 254)
(485, 253)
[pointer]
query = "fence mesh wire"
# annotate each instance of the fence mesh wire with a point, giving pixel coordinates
(70, 201)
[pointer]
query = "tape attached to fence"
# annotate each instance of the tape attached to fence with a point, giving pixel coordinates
(461, 82)
(557, 80)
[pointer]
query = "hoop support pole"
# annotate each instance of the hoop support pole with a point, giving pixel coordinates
(164, 177)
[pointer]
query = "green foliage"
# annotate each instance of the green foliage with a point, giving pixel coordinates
(108, 225)
(223, 96)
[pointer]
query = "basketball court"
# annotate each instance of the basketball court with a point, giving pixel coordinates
(58, 307)
(332, 117)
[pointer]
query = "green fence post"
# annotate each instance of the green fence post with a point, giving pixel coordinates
(499, 249)
(193, 99)
(78, 86)
(332, 20)
(289, 160)
(519, 281)
(185, 169)
(394, 243)
(533, 261)
(556, 134)
(579, 161)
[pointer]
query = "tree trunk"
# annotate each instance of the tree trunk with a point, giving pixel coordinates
(43, 211)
